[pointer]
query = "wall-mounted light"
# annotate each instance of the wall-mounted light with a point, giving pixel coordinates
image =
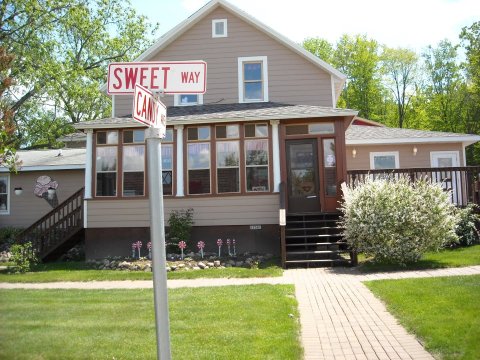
(354, 152)
(18, 191)
(414, 151)
(51, 192)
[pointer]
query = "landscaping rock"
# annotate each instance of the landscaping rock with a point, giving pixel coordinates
(201, 265)
(216, 263)
(210, 264)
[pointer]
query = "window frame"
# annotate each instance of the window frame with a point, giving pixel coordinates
(232, 139)
(241, 81)
(269, 162)
(225, 28)
(395, 154)
(117, 146)
(171, 143)
(177, 100)
(7, 211)
(210, 159)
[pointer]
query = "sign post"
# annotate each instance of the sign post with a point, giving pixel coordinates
(172, 77)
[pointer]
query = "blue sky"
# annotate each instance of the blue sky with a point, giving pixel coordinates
(407, 23)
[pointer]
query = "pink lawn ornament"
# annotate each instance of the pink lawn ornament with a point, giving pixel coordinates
(139, 246)
(182, 245)
(234, 250)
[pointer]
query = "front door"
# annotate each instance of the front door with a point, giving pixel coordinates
(302, 176)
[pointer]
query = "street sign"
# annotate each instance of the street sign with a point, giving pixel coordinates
(173, 77)
(148, 110)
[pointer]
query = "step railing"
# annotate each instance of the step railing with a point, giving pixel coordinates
(56, 227)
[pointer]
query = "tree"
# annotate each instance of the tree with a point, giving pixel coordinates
(399, 67)
(320, 47)
(63, 48)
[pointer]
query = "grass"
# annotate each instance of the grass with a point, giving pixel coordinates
(442, 312)
(232, 322)
(80, 271)
(466, 256)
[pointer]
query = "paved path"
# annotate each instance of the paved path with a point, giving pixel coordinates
(340, 318)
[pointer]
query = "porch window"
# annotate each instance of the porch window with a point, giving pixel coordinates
(167, 163)
(330, 169)
(133, 164)
(4, 195)
(228, 159)
(384, 160)
(198, 160)
(252, 79)
(256, 165)
(106, 168)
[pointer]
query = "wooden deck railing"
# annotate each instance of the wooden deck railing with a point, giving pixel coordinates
(56, 227)
(462, 182)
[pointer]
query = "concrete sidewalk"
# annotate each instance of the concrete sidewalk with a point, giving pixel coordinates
(340, 318)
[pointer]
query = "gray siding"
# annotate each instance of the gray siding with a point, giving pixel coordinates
(292, 79)
(27, 208)
(211, 211)
(406, 157)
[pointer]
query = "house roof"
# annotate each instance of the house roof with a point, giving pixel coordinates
(373, 135)
(57, 159)
(225, 113)
(181, 28)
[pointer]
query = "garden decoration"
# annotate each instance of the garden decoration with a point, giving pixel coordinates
(139, 246)
(228, 245)
(134, 246)
(201, 245)
(234, 251)
(149, 247)
(219, 243)
(182, 245)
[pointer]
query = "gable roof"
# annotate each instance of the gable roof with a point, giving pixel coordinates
(56, 159)
(376, 135)
(170, 36)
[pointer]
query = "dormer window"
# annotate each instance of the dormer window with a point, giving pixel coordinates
(219, 28)
(188, 99)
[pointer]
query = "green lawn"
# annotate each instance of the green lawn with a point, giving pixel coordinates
(443, 312)
(80, 271)
(232, 322)
(466, 256)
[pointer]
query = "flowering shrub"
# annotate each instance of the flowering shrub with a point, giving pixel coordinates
(467, 226)
(397, 221)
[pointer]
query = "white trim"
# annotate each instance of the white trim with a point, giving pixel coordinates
(275, 155)
(384, 153)
(468, 140)
(7, 212)
(177, 102)
(89, 165)
(85, 213)
(445, 153)
(464, 155)
(264, 61)
(179, 147)
(225, 29)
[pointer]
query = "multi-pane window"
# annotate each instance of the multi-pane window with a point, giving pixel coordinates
(228, 159)
(4, 195)
(133, 163)
(167, 163)
(106, 163)
(253, 79)
(198, 160)
(330, 169)
(256, 157)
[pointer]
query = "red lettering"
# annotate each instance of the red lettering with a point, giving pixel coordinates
(197, 75)
(144, 108)
(143, 76)
(184, 77)
(149, 111)
(131, 77)
(139, 95)
(165, 74)
(115, 86)
(153, 77)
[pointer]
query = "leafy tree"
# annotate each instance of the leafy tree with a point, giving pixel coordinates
(399, 68)
(63, 48)
(319, 47)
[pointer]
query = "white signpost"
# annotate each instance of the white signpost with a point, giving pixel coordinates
(152, 112)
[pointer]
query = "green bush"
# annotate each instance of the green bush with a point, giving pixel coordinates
(23, 257)
(7, 237)
(467, 227)
(180, 225)
(397, 221)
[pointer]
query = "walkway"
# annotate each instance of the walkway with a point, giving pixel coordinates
(340, 318)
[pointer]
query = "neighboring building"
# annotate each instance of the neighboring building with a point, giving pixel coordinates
(267, 120)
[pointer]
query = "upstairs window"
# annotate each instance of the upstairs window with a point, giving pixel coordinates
(188, 99)
(252, 79)
(219, 28)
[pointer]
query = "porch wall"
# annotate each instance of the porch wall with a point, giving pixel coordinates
(406, 157)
